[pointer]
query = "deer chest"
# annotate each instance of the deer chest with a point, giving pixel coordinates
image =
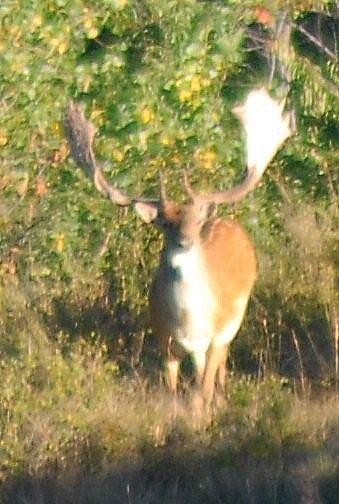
(192, 301)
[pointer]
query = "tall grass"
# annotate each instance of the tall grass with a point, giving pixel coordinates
(73, 430)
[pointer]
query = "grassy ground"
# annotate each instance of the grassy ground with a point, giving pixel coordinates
(75, 431)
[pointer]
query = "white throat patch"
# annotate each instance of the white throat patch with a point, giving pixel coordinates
(192, 294)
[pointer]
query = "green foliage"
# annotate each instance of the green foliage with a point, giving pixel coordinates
(47, 402)
(158, 78)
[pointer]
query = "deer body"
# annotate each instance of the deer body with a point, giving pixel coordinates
(208, 266)
(199, 295)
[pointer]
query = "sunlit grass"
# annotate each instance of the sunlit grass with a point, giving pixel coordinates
(76, 415)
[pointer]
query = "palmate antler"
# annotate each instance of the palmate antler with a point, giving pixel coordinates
(266, 129)
(80, 133)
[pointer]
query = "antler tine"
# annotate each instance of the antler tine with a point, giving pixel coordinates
(80, 133)
(266, 130)
(163, 195)
(187, 185)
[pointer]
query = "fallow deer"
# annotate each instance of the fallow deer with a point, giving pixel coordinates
(208, 266)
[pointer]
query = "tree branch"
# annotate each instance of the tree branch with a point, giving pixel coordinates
(315, 41)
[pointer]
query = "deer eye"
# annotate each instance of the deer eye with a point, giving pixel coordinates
(165, 224)
(168, 225)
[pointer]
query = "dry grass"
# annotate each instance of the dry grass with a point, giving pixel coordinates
(74, 431)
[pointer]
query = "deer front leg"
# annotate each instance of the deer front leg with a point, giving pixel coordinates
(199, 361)
(215, 362)
(171, 374)
(173, 354)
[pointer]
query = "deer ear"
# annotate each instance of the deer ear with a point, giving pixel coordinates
(146, 211)
(239, 112)
(208, 210)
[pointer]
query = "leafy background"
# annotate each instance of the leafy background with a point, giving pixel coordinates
(158, 79)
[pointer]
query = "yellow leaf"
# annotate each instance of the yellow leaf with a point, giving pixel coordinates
(92, 33)
(146, 115)
(88, 23)
(85, 83)
(143, 139)
(60, 242)
(36, 21)
(118, 155)
(185, 95)
(54, 42)
(195, 83)
(56, 127)
(3, 137)
(119, 4)
(207, 158)
(62, 48)
(166, 140)
(96, 113)
(210, 155)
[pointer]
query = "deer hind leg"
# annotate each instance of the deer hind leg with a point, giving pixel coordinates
(215, 361)
(221, 374)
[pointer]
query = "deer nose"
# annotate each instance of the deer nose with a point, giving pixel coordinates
(185, 243)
